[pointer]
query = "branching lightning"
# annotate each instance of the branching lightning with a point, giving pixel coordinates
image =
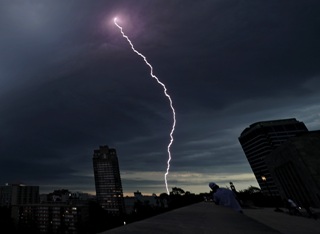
(166, 94)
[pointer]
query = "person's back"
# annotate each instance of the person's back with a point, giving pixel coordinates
(226, 197)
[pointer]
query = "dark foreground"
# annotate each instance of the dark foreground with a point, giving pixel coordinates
(206, 217)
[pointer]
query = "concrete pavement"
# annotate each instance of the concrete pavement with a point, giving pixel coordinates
(206, 217)
(284, 222)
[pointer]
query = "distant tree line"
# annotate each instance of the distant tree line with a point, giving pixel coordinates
(176, 199)
(253, 196)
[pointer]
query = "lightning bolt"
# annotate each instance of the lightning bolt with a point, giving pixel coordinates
(165, 93)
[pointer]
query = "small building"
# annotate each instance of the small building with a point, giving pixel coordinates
(50, 218)
(17, 194)
(152, 201)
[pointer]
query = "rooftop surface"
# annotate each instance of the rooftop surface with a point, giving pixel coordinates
(206, 217)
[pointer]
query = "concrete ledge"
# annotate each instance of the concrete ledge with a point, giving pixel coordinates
(202, 217)
(284, 222)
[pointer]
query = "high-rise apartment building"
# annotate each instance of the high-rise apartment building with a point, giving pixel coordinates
(107, 180)
(17, 194)
(260, 139)
(295, 167)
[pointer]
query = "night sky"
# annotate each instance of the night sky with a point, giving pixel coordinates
(69, 82)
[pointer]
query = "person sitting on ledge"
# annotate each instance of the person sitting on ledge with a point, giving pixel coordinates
(225, 197)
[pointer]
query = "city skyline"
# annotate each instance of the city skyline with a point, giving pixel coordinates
(70, 82)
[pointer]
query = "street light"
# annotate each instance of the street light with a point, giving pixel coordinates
(265, 181)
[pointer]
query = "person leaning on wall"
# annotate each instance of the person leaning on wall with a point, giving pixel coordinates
(225, 197)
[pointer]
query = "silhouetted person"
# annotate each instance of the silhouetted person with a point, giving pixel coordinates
(293, 208)
(225, 197)
(309, 211)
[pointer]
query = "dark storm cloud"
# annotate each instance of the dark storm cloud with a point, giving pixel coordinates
(69, 82)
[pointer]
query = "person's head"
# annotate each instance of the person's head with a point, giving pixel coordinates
(213, 186)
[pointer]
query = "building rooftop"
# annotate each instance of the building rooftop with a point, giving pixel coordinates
(206, 217)
(263, 124)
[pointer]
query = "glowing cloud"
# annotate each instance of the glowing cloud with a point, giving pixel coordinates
(165, 93)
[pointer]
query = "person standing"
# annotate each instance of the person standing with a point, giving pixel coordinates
(225, 197)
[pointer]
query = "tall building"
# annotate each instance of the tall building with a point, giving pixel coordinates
(107, 180)
(295, 167)
(260, 139)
